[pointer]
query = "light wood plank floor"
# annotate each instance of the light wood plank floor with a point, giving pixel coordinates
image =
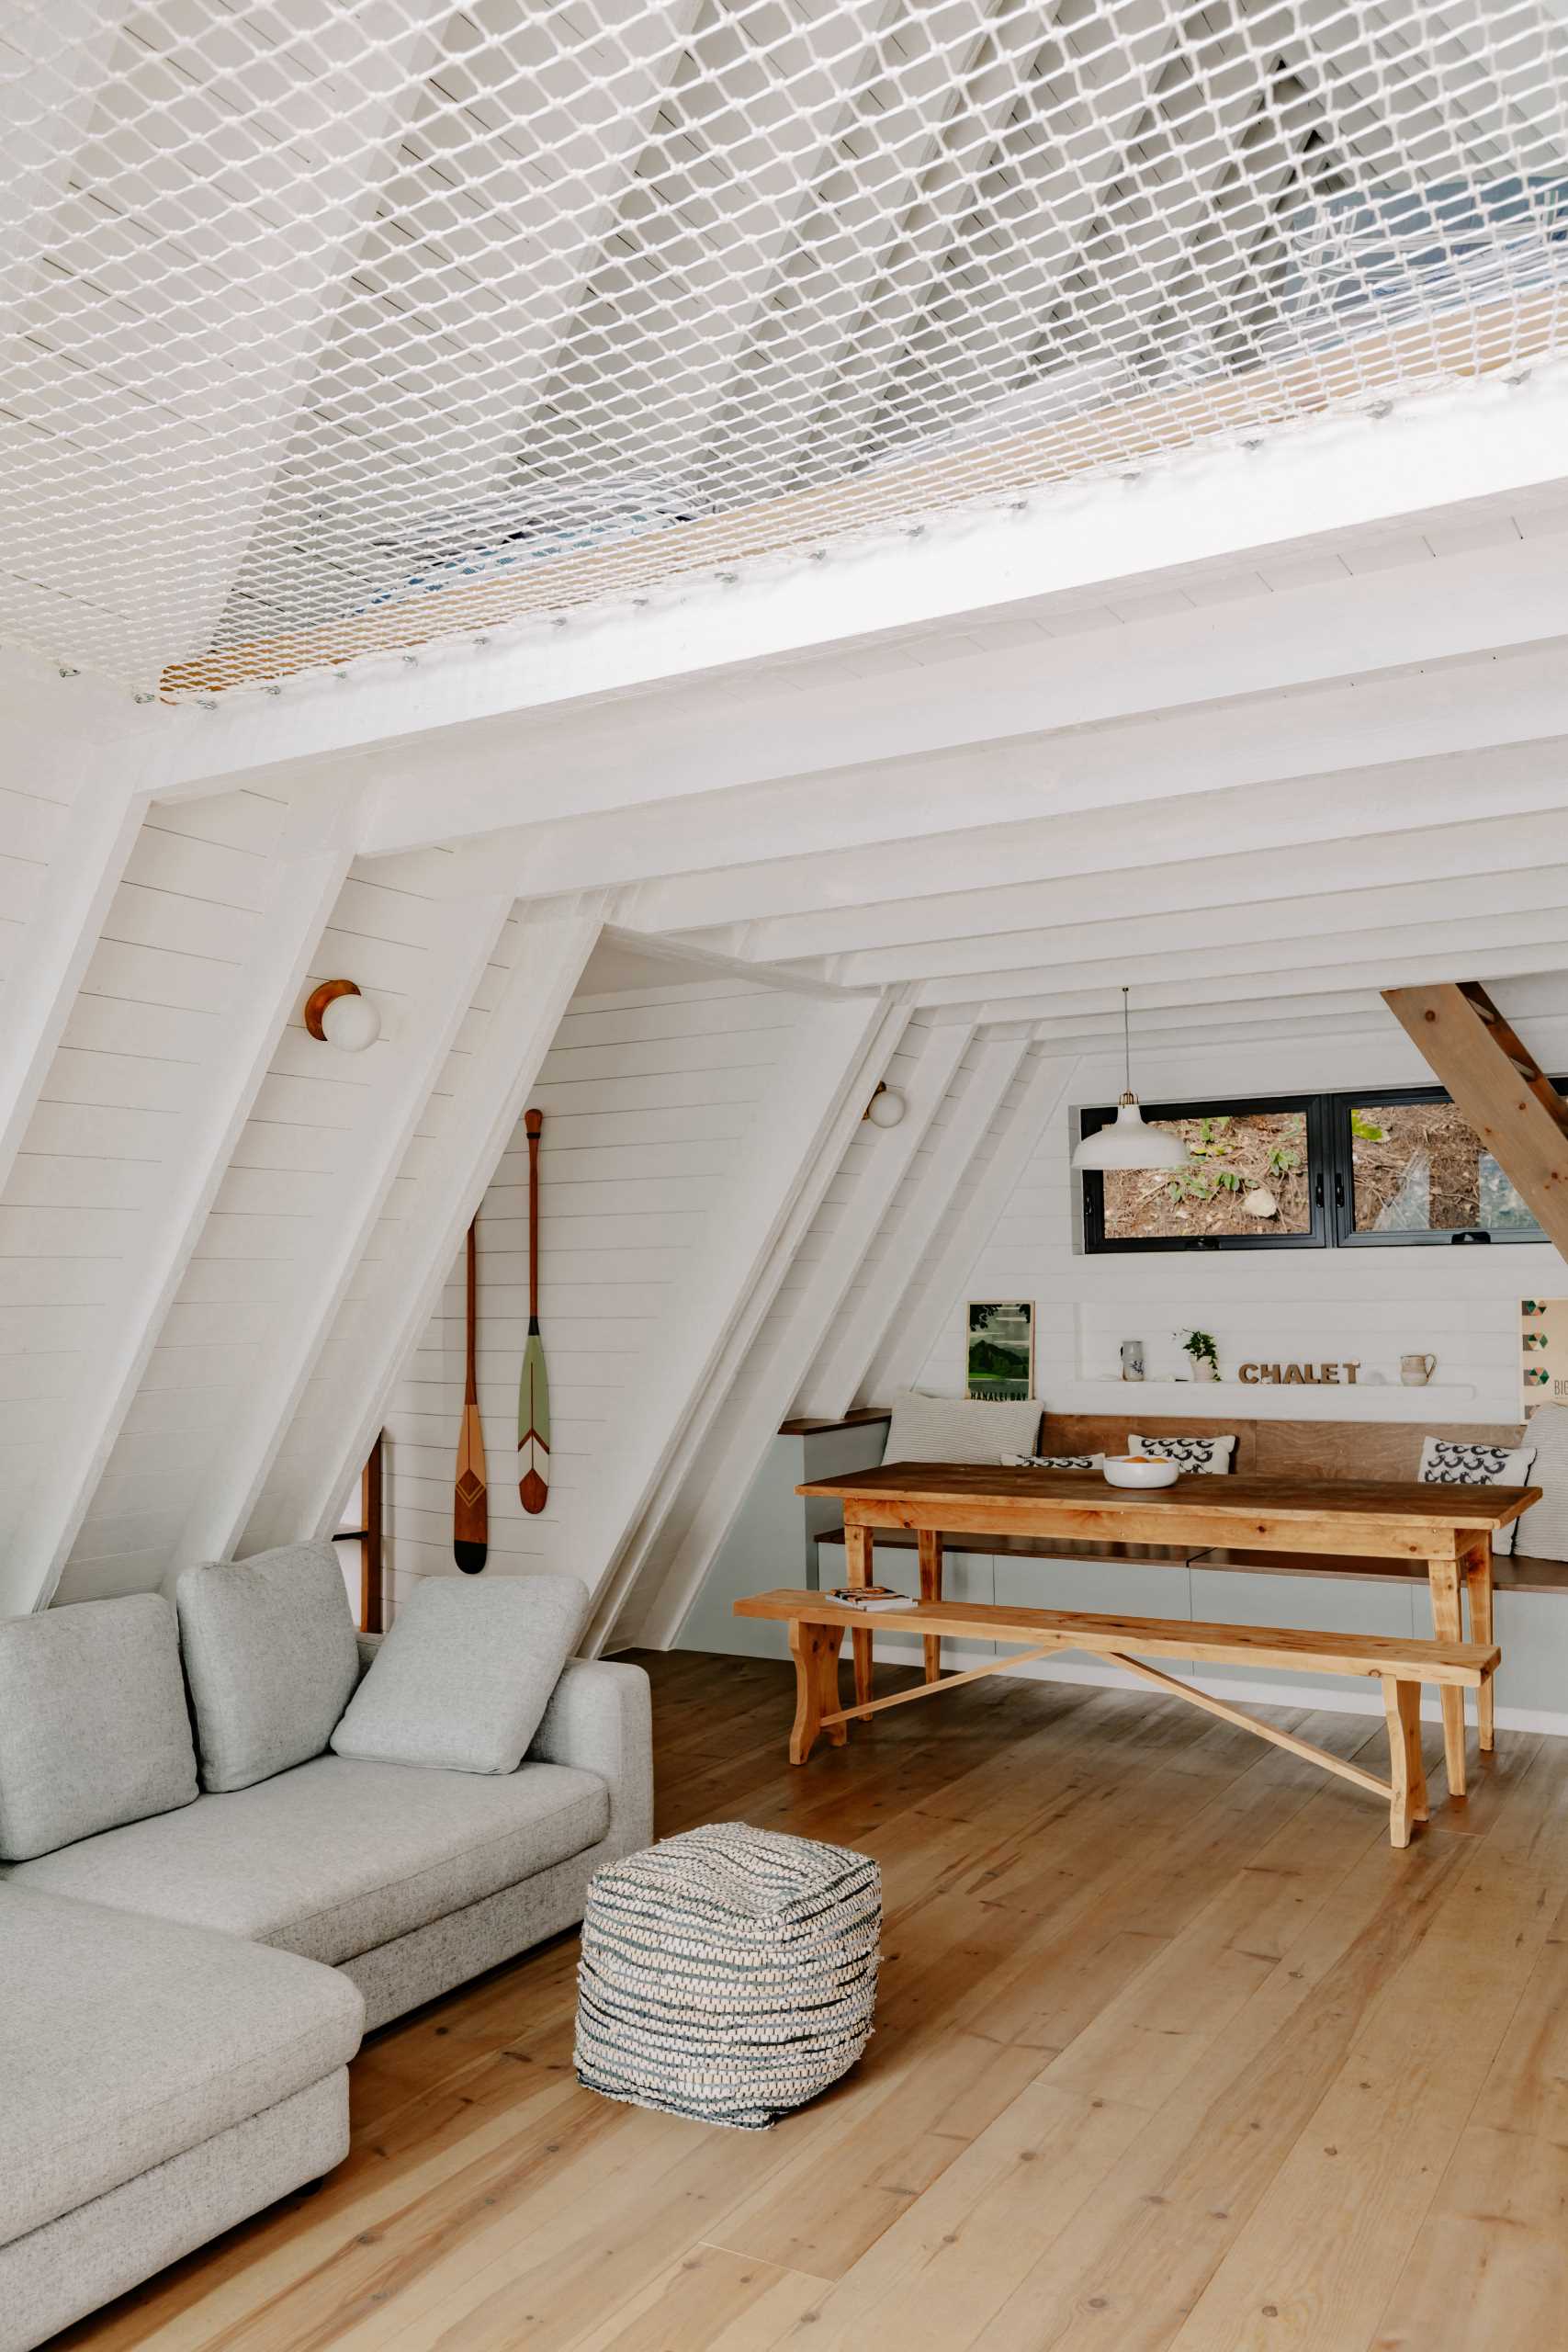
(1174, 2054)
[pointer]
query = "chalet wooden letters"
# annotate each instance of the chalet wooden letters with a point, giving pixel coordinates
(1312, 1376)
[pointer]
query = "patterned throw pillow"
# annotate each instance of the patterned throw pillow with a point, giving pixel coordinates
(1053, 1461)
(1446, 1462)
(1210, 1455)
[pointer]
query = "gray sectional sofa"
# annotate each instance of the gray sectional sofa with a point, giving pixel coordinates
(187, 1967)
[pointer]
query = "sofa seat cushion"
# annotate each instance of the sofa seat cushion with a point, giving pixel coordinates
(336, 1857)
(93, 1723)
(126, 2040)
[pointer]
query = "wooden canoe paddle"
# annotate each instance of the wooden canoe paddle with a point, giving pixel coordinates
(471, 1495)
(534, 1388)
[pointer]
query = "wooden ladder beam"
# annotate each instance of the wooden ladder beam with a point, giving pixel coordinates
(1507, 1099)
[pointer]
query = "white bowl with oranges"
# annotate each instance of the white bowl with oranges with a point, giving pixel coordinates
(1138, 1470)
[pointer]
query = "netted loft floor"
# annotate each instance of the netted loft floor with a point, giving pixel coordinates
(332, 329)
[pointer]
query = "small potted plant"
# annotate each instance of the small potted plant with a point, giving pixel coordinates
(1205, 1356)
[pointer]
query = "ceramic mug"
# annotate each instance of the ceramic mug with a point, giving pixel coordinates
(1416, 1371)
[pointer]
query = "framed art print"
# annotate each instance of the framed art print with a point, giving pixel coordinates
(999, 1348)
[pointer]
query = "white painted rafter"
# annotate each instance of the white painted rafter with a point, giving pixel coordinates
(1323, 957)
(837, 1373)
(1504, 958)
(764, 1386)
(989, 1183)
(323, 1449)
(1488, 442)
(57, 946)
(1451, 874)
(305, 877)
(814, 1112)
(813, 905)
(709, 741)
(400, 1089)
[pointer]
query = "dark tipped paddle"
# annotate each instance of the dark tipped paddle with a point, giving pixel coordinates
(471, 1495)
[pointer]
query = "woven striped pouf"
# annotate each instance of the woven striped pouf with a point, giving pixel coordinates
(728, 1973)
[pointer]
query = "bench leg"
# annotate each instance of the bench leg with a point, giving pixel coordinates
(930, 1589)
(857, 1570)
(1447, 1624)
(1408, 1775)
(827, 1697)
(1478, 1578)
(815, 1649)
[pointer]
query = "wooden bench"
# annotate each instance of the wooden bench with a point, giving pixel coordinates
(817, 1630)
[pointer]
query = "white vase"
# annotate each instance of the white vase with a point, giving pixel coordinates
(1205, 1368)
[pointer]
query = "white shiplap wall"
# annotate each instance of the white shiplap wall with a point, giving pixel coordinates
(1367, 1305)
(647, 1095)
(297, 1147)
(94, 1159)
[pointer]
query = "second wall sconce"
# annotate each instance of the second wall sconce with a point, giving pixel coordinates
(886, 1106)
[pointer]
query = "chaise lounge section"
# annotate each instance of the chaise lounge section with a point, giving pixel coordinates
(189, 1969)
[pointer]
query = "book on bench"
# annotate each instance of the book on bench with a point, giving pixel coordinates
(868, 1596)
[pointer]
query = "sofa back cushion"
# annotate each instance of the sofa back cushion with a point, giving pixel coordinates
(959, 1429)
(93, 1725)
(462, 1679)
(271, 1658)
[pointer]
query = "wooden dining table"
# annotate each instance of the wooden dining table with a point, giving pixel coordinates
(1447, 1530)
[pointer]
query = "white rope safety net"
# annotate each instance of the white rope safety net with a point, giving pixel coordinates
(331, 328)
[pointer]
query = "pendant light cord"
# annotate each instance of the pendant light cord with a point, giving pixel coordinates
(1126, 1042)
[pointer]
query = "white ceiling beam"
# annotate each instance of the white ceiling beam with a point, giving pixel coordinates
(814, 905)
(914, 1225)
(816, 1097)
(1506, 958)
(58, 944)
(1308, 1019)
(1325, 953)
(316, 1284)
(990, 778)
(763, 1384)
(1257, 897)
(344, 1402)
(1253, 942)
(988, 1185)
(1481, 440)
(305, 877)
(789, 726)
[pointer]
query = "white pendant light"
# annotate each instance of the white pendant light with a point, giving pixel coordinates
(1129, 1143)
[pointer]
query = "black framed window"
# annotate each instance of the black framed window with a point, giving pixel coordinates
(1260, 1179)
(1375, 1167)
(1408, 1167)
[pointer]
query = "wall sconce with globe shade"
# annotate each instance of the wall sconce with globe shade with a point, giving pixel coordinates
(340, 1016)
(886, 1106)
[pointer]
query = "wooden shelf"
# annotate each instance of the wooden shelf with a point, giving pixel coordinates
(1250, 1391)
